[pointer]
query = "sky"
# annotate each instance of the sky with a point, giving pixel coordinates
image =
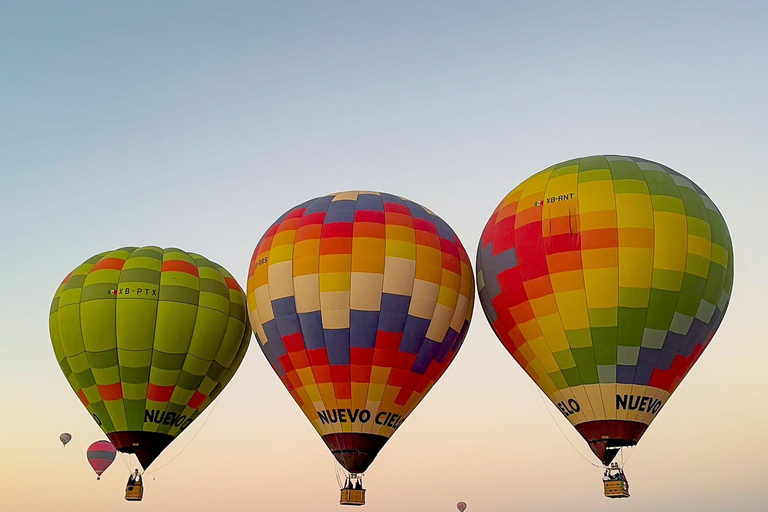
(197, 124)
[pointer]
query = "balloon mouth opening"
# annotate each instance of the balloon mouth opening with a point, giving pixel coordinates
(607, 437)
(355, 451)
(147, 446)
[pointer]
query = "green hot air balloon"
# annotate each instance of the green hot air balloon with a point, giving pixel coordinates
(147, 338)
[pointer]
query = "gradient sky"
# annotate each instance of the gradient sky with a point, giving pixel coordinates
(196, 125)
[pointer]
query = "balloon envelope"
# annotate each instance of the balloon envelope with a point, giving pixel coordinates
(65, 438)
(360, 301)
(606, 277)
(100, 455)
(461, 506)
(147, 338)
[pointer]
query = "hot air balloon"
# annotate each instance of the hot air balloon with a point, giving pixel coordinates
(461, 506)
(65, 438)
(360, 301)
(100, 455)
(605, 278)
(147, 338)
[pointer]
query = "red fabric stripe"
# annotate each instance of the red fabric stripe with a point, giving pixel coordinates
(197, 399)
(369, 216)
(82, 397)
(334, 229)
(111, 391)
(160, 393)
(232, 284)
(180, 266)
(397, 208)
(109, 263)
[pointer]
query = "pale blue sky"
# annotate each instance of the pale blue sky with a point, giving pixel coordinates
(196, 124)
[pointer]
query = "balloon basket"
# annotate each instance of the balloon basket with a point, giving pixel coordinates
(352, 497)
(134, 492)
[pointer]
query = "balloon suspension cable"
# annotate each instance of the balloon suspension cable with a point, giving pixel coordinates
(122, 458)
(336, 468)
(541, 395)
(210, 412)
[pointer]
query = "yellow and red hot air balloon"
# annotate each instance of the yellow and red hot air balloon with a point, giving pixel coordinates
(360, 301)
(606, 277)
(147, 338)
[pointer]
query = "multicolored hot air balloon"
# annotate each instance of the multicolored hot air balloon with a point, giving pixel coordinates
(461, 506)
(147, 338)
(65, 438)
(360, 301)
(100, 455)
(606, 277)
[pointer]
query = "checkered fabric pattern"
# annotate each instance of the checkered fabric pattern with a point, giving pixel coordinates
(148, 337)
(606, 276)
(360, 301)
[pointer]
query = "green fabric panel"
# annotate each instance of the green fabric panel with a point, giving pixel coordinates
(106, 376)
(692, 293)
(242, 350)
(660, 184)
(214, 286)
(715, 283)
(215, 372)
(661, 307)
(631, 326)
(136, 323)
(214, 301)
(571, 376)
(166, 361)
(180, 294)
(98, 291)
(69, 330)
(625, 170)
(210, 330)
(135, 375)
(79, 363)
(174, 328)
(594, 168)
(150, 252)
(196, 366)
(557, 379)
(189, 381)
(116, 414)
(563, 169)
(579, 338)
(171, 413)
(160, 377)
(237, 310)
(134, 359)
(100, 410)
(604, 344)
(564, 359)
(585, 363)
(98, 325)
(105, 359)
(231, 342)
(141, 275)
(668, 280)
(697, 266)
(85, 378)
(134, 413)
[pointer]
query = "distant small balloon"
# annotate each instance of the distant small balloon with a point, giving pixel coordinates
(461, 506)
(100, 455)
(65, 438)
